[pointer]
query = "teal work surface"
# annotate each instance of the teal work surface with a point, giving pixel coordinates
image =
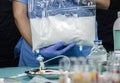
(13, 71)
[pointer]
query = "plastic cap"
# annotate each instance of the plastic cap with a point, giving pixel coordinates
(118, 14)
(40, 58)
(116, 25)
(97, 40)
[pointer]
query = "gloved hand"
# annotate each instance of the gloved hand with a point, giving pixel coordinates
(56, 49)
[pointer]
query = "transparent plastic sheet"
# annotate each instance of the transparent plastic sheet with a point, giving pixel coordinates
(8, 80)
(40, 79)
(61, 20)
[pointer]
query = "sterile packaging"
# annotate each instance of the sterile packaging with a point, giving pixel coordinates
(9, 80)
(40, 79)
(53, 21)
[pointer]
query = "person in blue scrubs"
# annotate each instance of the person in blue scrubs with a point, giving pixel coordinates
(24, 46)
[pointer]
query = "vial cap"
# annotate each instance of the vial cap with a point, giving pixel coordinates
(116, 25)
(118, 14)
(97, 40)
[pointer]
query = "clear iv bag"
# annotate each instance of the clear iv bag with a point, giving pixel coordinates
(70, 21)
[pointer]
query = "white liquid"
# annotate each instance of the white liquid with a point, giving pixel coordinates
(47, 31)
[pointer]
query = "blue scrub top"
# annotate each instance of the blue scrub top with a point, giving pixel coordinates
(28, 58)
(23, 1)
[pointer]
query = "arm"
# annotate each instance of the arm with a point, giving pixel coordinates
(22, 21)
(103, 4)
(23, 24)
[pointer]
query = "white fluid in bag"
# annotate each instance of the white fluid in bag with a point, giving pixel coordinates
(47, 31)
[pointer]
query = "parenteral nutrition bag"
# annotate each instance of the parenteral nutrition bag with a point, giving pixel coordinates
(53, 21)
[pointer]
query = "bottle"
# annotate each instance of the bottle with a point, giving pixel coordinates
(98, 52)
(116, 34)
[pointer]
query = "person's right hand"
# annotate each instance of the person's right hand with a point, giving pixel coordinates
(56, 49)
